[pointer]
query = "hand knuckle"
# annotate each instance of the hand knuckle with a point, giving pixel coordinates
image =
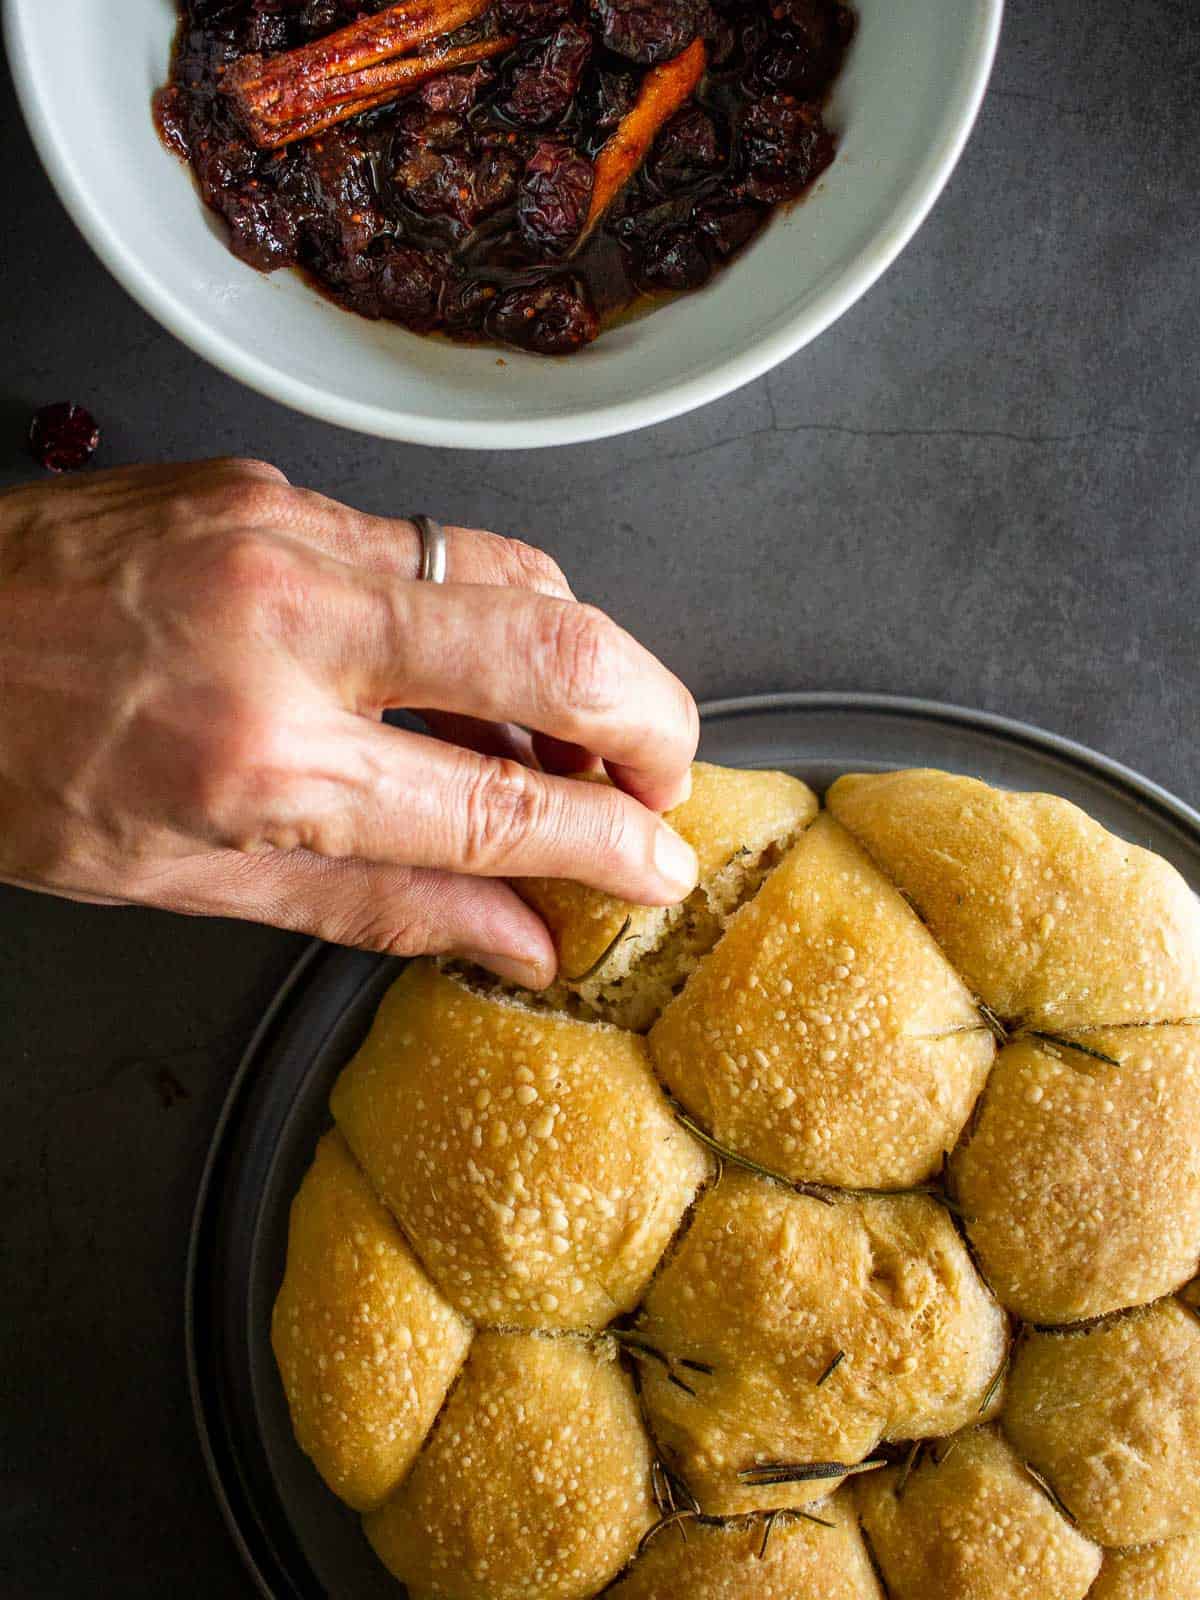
(504, 806)
(240, 787)
(533, 568)
(583, 658)
(251, 467)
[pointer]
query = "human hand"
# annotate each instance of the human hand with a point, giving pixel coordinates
(194, 663)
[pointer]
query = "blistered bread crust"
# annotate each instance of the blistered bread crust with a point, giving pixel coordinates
(767, 1288)
(1081, 1176)
(1052, 920)
(827, 1036)
(795, 1559)
(532, 1159)
(365, 1344)
(652, 1320)
(535, 1484)
(969, 1523)
(1110, 1416)
(1169, 1571)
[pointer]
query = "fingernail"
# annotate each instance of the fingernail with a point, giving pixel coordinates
(527, 974)
(676, 862)
(685, 789)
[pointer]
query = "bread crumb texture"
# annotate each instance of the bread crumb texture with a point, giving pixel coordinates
(793, 1559)
(969, 1523)
(535, 1484)
(879, 1154)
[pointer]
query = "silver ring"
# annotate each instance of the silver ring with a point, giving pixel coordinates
(434, 547)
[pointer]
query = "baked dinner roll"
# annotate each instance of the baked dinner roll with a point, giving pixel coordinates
(800, 1560)
(827, 1036)
(1169, 1571)
(1050, 919)
(531, 1159)
(1110, 1416)
(967, 1522)
(535, 1484)
(1081, 1177)
(827, 1328)
(626, 961)
(366, 1346)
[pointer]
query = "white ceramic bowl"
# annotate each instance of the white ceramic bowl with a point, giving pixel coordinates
(86, 69)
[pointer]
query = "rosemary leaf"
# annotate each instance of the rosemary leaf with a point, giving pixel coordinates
(831, 1369)
(604, 954)
(673, 1377)
(815, 1191)
(768, 1528)
(636, 1345)
(993, 1388)
(951, 1447)
(772, 1473)
(993, 1021)
(910, 1462)
(1051, 1494)
(811, 1516)
(1073, 1044)
(674, 1519)
(697, 1366)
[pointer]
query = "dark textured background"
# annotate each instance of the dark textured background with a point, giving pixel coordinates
(981, 485)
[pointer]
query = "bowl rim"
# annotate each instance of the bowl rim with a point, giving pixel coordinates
(909, 209)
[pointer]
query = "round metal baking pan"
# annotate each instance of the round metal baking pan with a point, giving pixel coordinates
(296, 1539)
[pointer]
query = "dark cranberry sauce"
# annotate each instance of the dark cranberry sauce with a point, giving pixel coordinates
(458, 208)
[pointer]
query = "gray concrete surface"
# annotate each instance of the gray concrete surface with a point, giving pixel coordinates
(982, 486)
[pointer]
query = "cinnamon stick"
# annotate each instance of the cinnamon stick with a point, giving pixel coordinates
(664, 90)
(385, 83)
(273, 93)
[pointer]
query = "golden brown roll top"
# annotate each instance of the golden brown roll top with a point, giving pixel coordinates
(965, 1521)
(826, 1328)
(826, 1036)
(1169, 1571)
(792, 1559)
(531, 1159)
(1110, 1416)
(626, 960)
(535, 1484)
(1081, 1176)
(1051, 920)
(366, 1346)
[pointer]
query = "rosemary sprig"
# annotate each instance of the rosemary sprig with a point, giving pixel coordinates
(768, 1529)
(831, 1369)
(1073, 1044)
(608, 950)
(816, 1191)
(772, 1473)
(1051, 1494)
(827, 1193)
(641, 1349)
(910, 1461)
(811, 1516)
(674, 1519)
(993, 1388)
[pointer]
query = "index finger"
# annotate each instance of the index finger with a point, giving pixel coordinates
(507, 655)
